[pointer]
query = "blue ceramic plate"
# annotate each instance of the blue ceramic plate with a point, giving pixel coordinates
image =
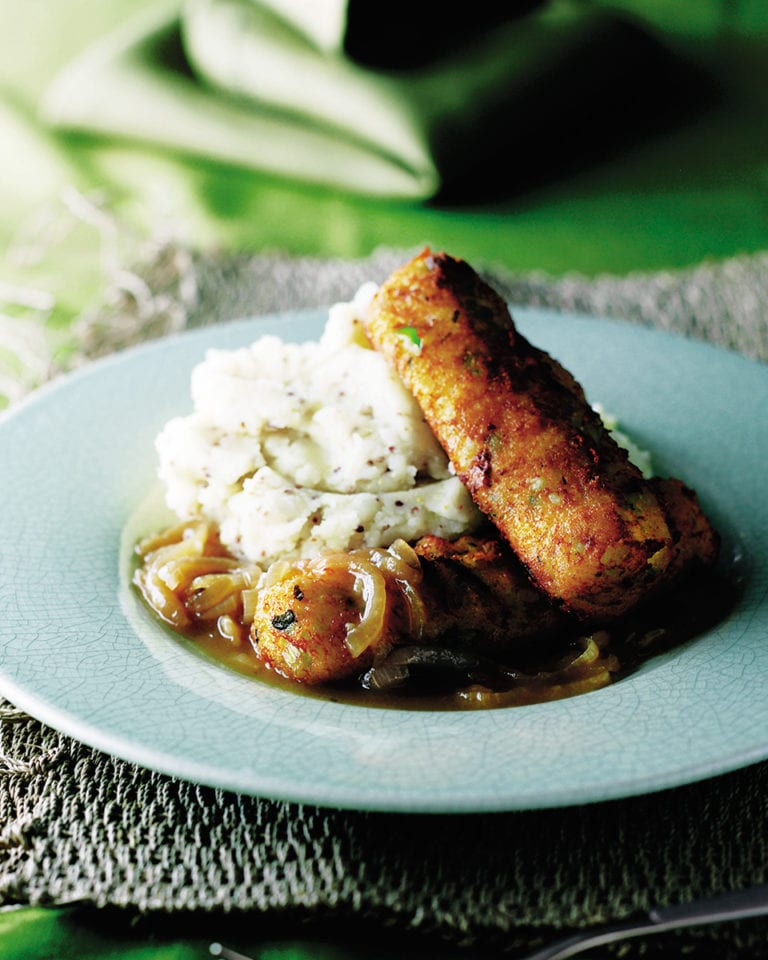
(79, 652)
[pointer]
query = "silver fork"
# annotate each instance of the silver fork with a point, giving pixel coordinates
(736, 905)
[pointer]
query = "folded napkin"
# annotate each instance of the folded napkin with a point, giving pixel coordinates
(231, 81)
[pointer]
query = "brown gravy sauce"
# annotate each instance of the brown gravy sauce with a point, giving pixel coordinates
(668, 623)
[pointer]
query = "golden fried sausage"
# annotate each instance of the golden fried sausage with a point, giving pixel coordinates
(517, 428)
(477, 595)
(325, 618)
(306, 621)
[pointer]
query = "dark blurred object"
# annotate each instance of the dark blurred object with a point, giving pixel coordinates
(620, 86)
(402, 34)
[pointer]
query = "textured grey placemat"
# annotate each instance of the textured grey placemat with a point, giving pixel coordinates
(723, 301)
(79, 825)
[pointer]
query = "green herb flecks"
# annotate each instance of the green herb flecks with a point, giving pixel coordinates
(283, 620)
(411, 338)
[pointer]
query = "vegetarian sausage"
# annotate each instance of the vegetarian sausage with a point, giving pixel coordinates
(522, 437)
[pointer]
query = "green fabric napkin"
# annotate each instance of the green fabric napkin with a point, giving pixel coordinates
(231, 81)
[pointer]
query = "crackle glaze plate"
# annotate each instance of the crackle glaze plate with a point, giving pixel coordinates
(79, 651)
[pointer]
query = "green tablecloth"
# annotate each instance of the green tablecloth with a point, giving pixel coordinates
(695, 188)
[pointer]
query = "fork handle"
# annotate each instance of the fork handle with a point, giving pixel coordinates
(735, 905)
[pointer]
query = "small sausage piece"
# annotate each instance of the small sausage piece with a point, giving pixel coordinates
(300, 627)
(523, 439)
(307, 622)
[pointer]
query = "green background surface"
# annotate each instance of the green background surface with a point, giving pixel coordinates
(85, 933)
(696, 191)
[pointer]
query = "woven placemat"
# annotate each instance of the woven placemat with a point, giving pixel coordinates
(722, 302)
(78, 825)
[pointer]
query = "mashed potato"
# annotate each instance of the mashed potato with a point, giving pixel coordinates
(295, 448)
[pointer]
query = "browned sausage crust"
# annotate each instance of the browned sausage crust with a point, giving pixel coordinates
(476, 590)
(521, 436)
(695, 542)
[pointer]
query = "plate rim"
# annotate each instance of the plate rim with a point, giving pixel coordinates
(343, 796)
